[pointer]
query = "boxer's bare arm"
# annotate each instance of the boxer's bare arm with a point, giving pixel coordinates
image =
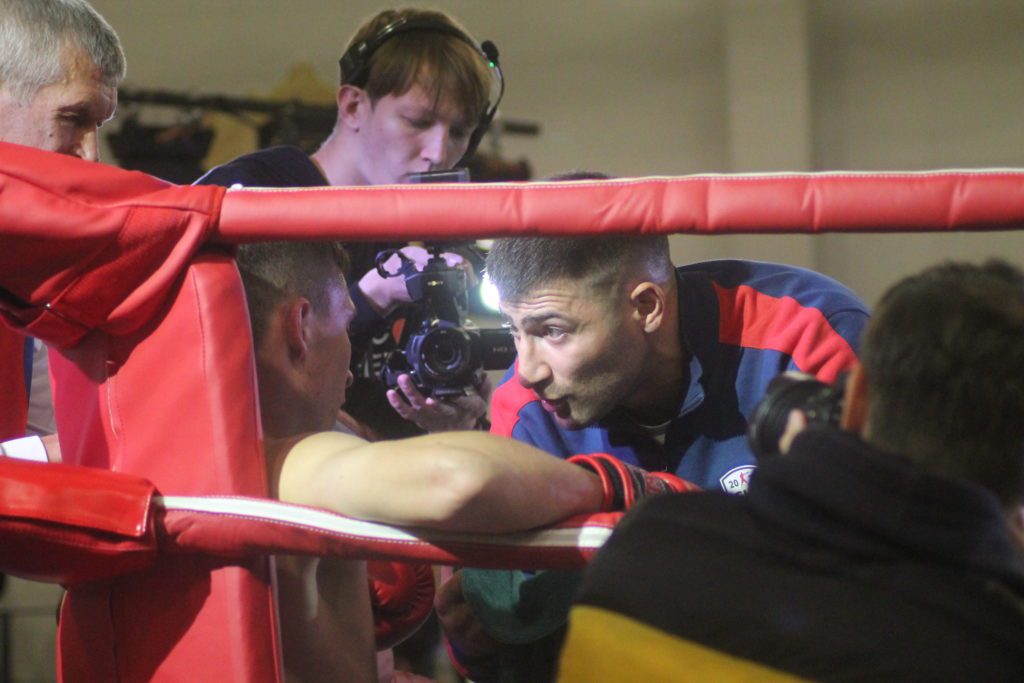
(322, 602)
(456, 480)
(466, 481)
(327, 627)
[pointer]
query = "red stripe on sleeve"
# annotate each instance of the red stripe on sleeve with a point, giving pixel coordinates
(753, 319)
(506, 402)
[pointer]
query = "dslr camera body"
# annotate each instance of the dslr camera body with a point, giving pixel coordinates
(435, 349)
(821, 403)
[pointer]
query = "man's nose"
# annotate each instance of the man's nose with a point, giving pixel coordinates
(88, 147)
(532, 370)
(435, 146)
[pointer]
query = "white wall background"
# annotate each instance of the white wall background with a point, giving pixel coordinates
(644, 87)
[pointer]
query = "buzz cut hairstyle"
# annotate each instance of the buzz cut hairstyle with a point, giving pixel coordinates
(944, 363)
(518, 266)
(35, 36)
(444, 66)
(275, 271)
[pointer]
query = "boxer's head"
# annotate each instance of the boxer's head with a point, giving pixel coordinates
(300, 310)
(942, 375)
(411, 106)
(593, 320)
(60, 64)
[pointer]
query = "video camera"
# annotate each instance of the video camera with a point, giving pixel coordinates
(821, 403)
(435, 349)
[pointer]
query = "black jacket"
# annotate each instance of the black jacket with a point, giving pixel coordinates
(842, 563)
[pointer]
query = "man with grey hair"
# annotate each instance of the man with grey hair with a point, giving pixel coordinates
(60, 65)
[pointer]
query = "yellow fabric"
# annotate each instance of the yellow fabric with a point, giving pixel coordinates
(605, 646)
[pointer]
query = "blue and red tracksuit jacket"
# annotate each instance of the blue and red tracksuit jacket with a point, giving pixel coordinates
(743, 322)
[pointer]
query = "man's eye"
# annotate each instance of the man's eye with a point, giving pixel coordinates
(421, 124)
(554, 333)
(459, 133)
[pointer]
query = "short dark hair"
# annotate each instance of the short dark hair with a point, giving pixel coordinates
(443, 65)
(275, 271)
(944, 361)
(519, 265)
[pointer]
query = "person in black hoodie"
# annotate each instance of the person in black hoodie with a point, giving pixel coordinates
(884, 550)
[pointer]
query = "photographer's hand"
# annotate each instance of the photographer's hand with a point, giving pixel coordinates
(384, 293)
(1015, 519)
(433, 415)
(795, 423)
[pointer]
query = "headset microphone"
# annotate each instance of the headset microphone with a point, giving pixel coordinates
(491, 52)
(355, 65)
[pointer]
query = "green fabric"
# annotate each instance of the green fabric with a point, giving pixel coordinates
(518, 608)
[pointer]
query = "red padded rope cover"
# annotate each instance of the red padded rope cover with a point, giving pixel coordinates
(700, 204)
(89, 247)
(74, 525)
(174, 401)
(67, 524)
(232, 527)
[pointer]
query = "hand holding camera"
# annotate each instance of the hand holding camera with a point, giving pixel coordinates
(436, 415)
(442, 357)
(793, 402)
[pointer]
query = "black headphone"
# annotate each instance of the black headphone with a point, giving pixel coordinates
(355, 64)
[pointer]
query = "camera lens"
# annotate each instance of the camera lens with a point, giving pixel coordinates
(445, 353)
(497, 349)
(821, 403)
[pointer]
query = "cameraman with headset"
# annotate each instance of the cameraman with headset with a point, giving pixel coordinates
(417, 93)
(884, 550)
(415, 98)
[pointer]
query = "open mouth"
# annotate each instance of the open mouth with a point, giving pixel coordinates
(558, 406)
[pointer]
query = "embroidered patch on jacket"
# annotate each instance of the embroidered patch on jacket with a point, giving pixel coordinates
(737, 479)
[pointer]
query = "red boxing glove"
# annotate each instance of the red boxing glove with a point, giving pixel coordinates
(401, 596)
(624, 484)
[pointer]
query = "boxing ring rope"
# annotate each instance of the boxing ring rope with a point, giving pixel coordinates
(94, 257)
(101, 245)
(197, 524)
(101, 524)
(704, 204)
